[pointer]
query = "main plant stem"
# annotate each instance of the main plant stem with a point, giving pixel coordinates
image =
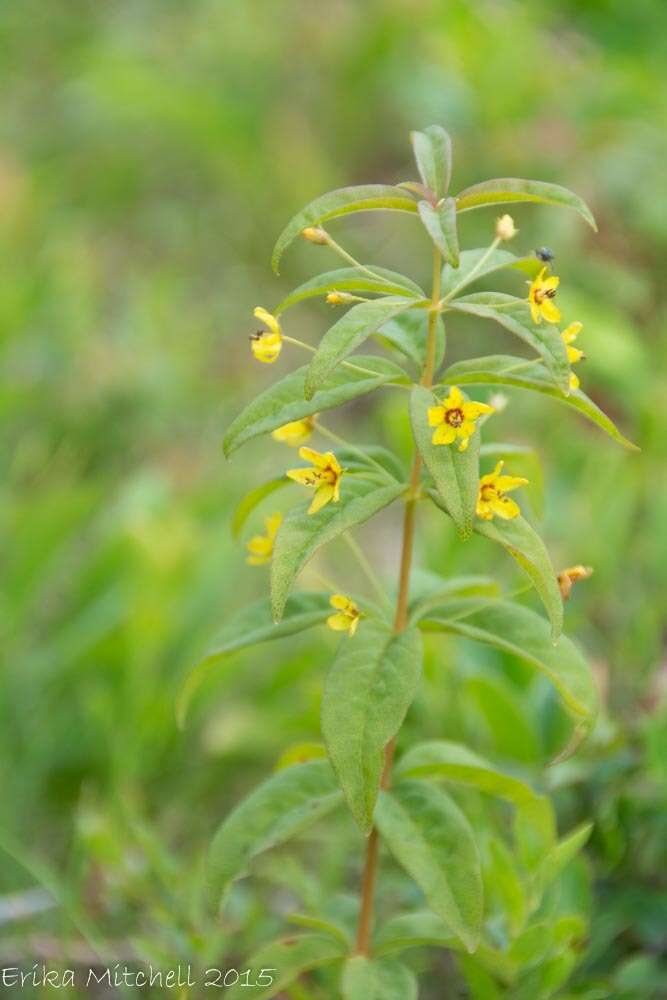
(369, 877)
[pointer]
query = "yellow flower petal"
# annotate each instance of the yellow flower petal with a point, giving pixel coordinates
(504, 484)
(444, 434)
(340, 622)
(341, 602)
(323, 495)
(535, 313)
(436, 415)
(268, 319)
(571, 332)
(316, 457)
(272, 523)
(472, 410)
(454, 400)
(266, 346)
(306, 477)
(505, 507)
(574, 381)
(550, 311)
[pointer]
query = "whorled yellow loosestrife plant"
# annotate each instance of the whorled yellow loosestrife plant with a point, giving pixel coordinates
(376, 671)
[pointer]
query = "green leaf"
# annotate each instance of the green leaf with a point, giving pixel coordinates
(422, 928)
(523, 633)
(503, 882)
(431, 838)
(302, 534)
(455, 762)
(433, 591)
(370, 979)
(564, 852)
(504, 369)
(440, 224)
(514, 315)
(282, 962)
(508, 190)
(248, 627)
(528, 549)
(433, 154)
(504, 714)
(323, 925)
(252, 500)
(407, 332)
(363, 456)
(366, 695)
(344, 201)
(479, 263)
(352, 279)
(280, 808)
(351, 330)
(285, 401)
(455, 473)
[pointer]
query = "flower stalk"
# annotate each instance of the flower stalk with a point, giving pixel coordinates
(369, 877)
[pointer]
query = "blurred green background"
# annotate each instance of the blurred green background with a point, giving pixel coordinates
(149, 154)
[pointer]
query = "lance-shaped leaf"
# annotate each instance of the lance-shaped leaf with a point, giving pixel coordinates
(433, 155)
(563, 852)
(278, 964)
(285, 401)
(280, 808)
(526, 546)
(476, 264)
(523, 633)
(249, 627)
(514, 315)
(440, 223)
(367, 693)
(344, 201)
(504, 369)
(422, 928)
(433, 591)
(408, 333)
(351, 330)
(302, 534)
(508, 190)
(456, 763)
(455, 473)
(377, 979)
(252, 499)
(353, 279)
(431, 838)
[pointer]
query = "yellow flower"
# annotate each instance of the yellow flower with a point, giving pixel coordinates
(324, 477)
(294, 433)
(505, 228)
(491, 498)
(574, 355)
(568, 577)
(541, 295)
(266, 345)
(347, 614)
(260, 548)
(455, 417)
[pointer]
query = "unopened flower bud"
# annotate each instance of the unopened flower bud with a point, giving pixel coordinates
(505, 228)
(315, 235)
(568, 577)
(340, 298)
